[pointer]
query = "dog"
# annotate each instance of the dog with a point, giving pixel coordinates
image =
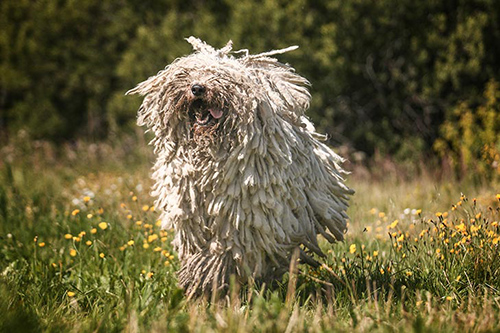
(241, 174)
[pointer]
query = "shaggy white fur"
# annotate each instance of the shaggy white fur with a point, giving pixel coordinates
(241, 175)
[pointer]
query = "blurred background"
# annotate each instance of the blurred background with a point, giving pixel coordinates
(400, 83)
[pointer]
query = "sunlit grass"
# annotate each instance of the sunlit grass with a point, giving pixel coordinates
(81, 249)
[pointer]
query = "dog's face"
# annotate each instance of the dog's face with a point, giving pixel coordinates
(209, 95)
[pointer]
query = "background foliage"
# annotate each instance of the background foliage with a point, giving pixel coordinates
(387, 77)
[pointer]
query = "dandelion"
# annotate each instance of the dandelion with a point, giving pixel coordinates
(145, 245)
(103, 225)
(77, 239)
(419, 211)
(171, 257)
(101, 210)
(143, 271)
(449, 298)
(149, 275)
(134, 198)
(68, 236)
(93, 230)
(86, 199)
(163, 239)
(352, 248)
(373, 211)
(89, 216)
(138, 223)
(88, 242)
(123, 206)
(72, 252)
(458, 278)
(75, 212)
(498, 197)
(375, 254)
(157, 249)
(82, 233)
(152, 208)
(382, 271)
(71, 294)
(102, 255)
(393, 224)
(129, 216)
(41, 244)
(153, 237)
(145, 208)
(54, 265)
(408, 273)
(381, 215)
(158, 223)
(167, 263)
(419, 303)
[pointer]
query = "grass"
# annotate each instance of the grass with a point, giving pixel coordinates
(81, 250)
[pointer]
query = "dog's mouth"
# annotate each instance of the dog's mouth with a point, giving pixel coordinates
(203, 115)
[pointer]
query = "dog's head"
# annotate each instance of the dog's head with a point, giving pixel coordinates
(210, 94)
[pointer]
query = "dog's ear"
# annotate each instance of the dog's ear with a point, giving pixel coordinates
(149, 109)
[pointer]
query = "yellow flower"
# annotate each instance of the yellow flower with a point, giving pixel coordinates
(382, 271)
(164, 239)
(131, 242)
(93, 230)
(171, 257)
(408, 273)
(103, 225)
(381, 214)
(71, 294)
(401, 238)
(77, 239)
(449, 298)
(145, 208)
(82, 233)
(498, 196)
(72, 252)
(149, 275)
(158, 223)
(86, 199)
(458, 278)
(167, 263)
(418, 303)
(143, 271)
(352, 248)
(145, 245)
(101, 210)
(152, 208)
(139, 223)
(123, 206)
(102, 255)
(393, 224)
(419, 211)
(461, 227)
(89, 216)
(68, 236)
(375, 254)
(373, 211)
(76, 211)
(42, 244)
(157, 249)
(129, 216)
(122, 248)
(152, 238)
(134, 198)
(88, 243)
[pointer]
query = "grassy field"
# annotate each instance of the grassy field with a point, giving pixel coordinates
(81, 250)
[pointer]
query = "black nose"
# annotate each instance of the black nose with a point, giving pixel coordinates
(197, 89)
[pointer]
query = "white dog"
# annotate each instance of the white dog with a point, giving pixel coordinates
(241, 174)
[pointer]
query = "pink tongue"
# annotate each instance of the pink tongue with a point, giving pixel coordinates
(215, 113)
